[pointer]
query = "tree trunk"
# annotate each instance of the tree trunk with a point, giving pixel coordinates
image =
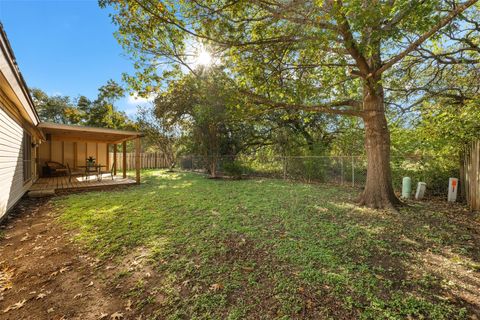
(213, 166)
(463, 194)
(378, 192)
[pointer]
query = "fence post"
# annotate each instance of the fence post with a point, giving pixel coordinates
(284, 168)
(353, 171)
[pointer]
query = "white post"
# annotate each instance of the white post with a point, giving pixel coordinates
(421, 187)
(452, 189)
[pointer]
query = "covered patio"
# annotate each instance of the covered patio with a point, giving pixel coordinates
(70, 146)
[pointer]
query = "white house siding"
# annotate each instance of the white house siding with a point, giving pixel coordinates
(12, 186)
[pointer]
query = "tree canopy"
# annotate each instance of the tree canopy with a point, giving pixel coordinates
(98, 113)
(350, 58)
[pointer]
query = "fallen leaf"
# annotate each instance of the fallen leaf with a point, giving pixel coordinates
(6, 276)
(103, 315)
(50, 310)
(216, 287)
(309, 304)
(117, 316)
(25, 238)
(41, 296)
(63, 269)
(78, 295)
(90, 284)
(15, 306)
(128, 306)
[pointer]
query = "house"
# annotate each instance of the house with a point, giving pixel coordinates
(19, 132)
(26, 143)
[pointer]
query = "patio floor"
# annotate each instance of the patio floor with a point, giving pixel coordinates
(62, 183)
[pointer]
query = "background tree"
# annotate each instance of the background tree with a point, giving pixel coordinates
(58, 109)
(103, 112)
(206, 109)
(335, 56)
(159, 137)
(99, 113)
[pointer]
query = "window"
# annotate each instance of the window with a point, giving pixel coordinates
(27, 156)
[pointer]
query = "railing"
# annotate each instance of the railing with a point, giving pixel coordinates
(150, 160)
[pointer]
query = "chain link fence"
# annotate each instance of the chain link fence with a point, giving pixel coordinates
(340, 170)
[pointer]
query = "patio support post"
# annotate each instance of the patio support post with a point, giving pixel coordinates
(137, 159)
(114, 159)
(124, 162)
(75, 155)
(107, 158)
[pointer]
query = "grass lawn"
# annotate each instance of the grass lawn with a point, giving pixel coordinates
(271, 249)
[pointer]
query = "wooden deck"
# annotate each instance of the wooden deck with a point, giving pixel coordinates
(62, 183)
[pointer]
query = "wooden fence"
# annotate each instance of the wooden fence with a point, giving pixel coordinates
(154, 160)
(471, 175)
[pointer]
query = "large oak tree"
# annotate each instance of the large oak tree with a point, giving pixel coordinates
(329, 56)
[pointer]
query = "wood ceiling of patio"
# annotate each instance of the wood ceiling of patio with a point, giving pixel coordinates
(62, 132)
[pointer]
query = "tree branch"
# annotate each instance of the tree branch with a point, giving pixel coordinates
(325, 108)
(459, 9)
(389, 25)
(350, 43)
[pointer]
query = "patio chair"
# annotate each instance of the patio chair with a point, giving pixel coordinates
(108, 172)
(91, 169)
(74, 173)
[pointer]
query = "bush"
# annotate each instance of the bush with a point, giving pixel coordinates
(306, 168)
(233, 169)
(433, 172)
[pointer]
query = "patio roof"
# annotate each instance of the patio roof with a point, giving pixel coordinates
(64, 132)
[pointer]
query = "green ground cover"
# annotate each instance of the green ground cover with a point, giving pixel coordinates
(273, 249)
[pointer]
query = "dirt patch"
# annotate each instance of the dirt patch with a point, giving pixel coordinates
(44, 276)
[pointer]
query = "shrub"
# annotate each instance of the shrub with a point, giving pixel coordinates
(233, 168)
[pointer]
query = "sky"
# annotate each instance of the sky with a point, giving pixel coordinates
(65, 47)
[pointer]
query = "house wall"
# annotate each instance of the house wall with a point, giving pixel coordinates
(74, 153)
(12, 184)
(18, 130)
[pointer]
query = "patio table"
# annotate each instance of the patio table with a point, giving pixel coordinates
(97, 169)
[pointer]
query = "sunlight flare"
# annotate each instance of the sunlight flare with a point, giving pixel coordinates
(203, 58)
